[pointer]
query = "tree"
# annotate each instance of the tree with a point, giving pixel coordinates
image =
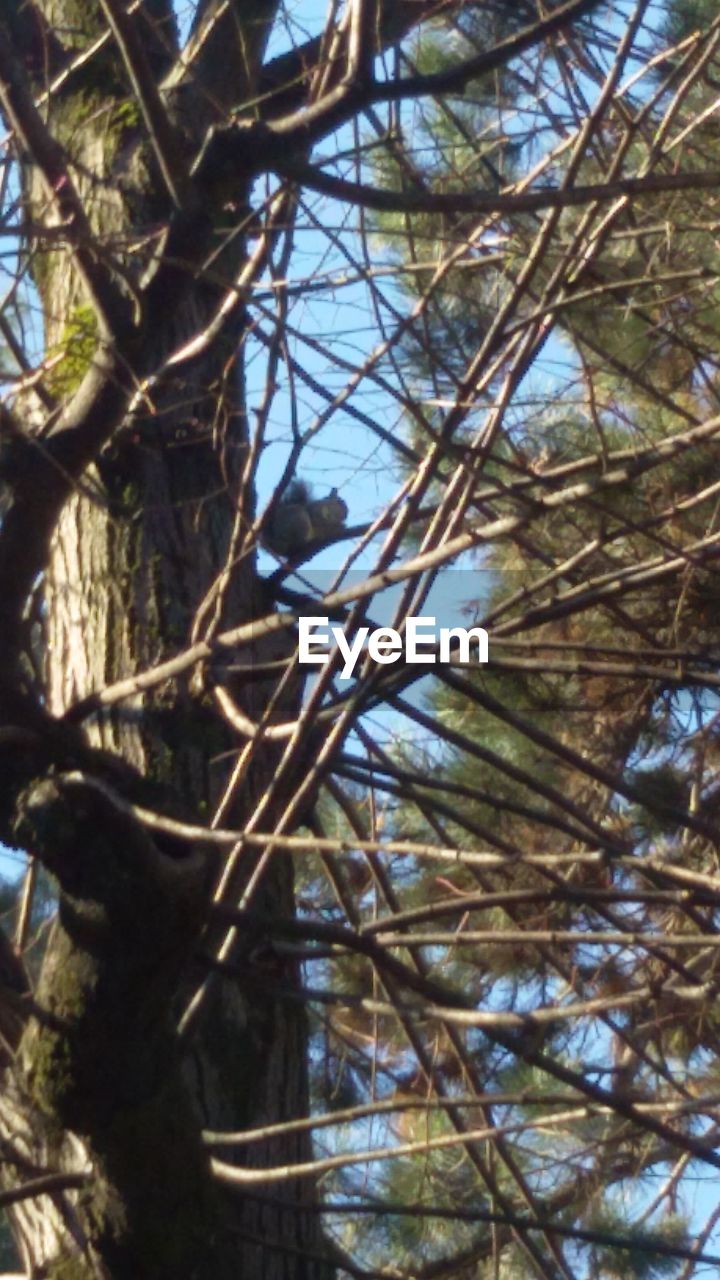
(545, 738)
(160, 756)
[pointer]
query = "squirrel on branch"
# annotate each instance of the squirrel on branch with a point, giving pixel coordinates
(299, 519)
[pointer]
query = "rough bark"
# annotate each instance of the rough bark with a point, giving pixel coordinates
(100, 1083)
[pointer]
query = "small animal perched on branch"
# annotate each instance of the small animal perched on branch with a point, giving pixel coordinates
(299, 519)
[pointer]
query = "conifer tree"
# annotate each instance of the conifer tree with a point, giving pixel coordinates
(359, 976)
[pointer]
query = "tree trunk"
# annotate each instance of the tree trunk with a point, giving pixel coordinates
(101, 1081)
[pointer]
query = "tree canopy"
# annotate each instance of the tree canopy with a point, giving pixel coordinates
(398, 310)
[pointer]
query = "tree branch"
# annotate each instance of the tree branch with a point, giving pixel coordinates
(163, 136)
(47, 1185)
(425, 202)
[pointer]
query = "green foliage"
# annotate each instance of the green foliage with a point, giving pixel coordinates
(682, 17)
(662, 792)
(572, 742)
(637, 1260)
